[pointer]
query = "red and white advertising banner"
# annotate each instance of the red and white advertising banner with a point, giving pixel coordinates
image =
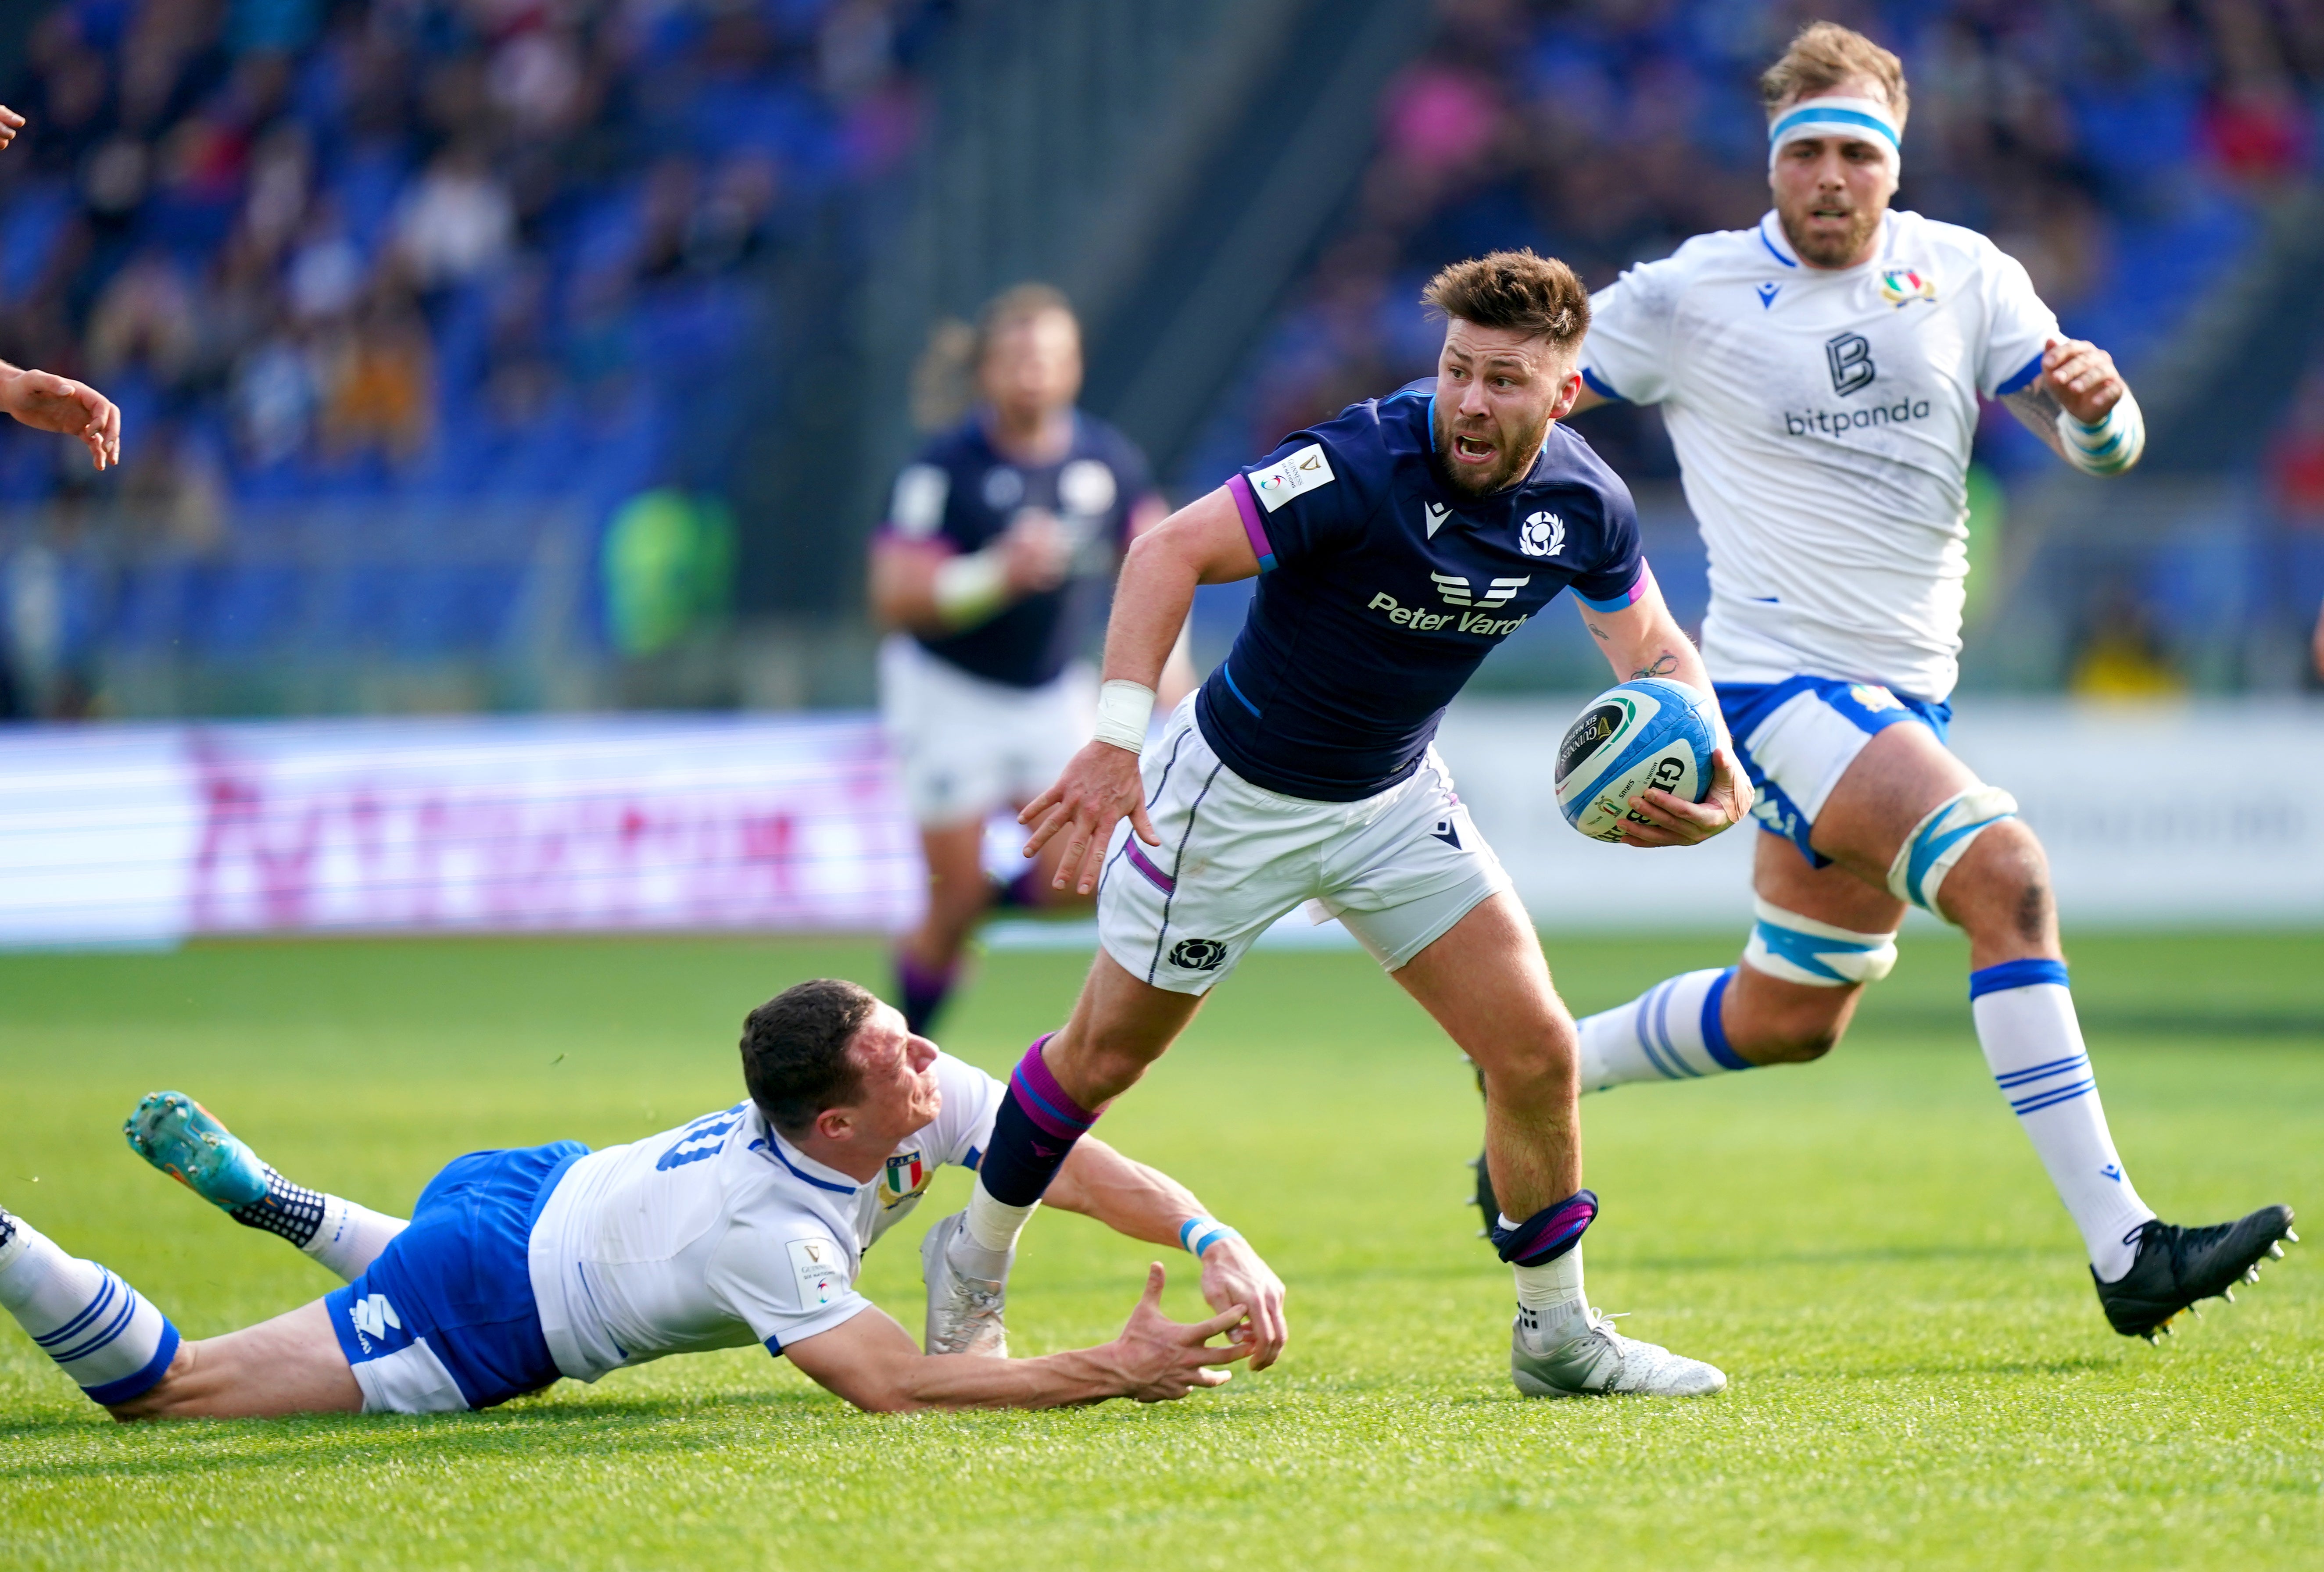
(145, 835)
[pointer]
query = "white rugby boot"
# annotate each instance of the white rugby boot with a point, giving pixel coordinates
(965, 1312)
(1582, 1356)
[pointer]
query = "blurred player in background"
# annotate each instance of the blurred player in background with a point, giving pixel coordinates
(48, 402)
(520, 1266)
(1821, 376)
(1396, 547)
(1000, 540)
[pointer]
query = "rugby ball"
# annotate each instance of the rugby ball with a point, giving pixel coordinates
(1649, 731)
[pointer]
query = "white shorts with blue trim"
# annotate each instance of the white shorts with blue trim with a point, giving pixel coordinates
(1397, 869)
(1796, 737)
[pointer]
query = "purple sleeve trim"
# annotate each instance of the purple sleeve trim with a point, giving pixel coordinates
(1627, 598)
(1238, 487)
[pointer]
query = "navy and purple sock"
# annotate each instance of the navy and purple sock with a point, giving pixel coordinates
(921, 991)
(1549, 1233)
(1034, 1131)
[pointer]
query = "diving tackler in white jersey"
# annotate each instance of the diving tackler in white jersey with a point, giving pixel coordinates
(1820, 373)
(746, 1225)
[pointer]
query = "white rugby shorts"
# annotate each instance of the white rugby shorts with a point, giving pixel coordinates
(1398, 868)
(968, 747)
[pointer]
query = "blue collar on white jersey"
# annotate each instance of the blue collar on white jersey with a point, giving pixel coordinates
(774, 1145)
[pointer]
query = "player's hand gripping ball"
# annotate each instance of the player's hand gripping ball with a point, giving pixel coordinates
(1648, 733)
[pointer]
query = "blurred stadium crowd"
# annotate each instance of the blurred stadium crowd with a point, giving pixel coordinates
(414, 261)
(412, 275)
(321, 248)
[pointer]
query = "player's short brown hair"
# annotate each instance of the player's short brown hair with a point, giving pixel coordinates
(1537, 296)
(1018, 303)
(1824, 55)
(795, 1051)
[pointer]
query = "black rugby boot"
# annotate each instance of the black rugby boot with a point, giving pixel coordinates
(2176, 1267)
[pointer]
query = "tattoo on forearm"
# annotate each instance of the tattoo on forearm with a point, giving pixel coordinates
(1664, 663)
(2031, 403)
(2038, 412)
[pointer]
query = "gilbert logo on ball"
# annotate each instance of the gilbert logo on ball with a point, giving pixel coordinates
(1648, 733)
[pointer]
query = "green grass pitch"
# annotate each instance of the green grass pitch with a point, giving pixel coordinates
(1920, 1373)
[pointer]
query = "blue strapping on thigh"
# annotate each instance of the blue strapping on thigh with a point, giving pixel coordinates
(460, 1275)
(1747, 704)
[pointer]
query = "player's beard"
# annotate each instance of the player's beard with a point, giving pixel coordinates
(1833, 253)
(1512, 461)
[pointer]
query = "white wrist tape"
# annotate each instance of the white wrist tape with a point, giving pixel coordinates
(2110, 447)
(1197, 1234)
(1123, 709)
(969, 589)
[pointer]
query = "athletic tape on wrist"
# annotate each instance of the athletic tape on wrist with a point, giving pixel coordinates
(1123, 709)
(2110, 447)
(969, 589)
(1197, 1234)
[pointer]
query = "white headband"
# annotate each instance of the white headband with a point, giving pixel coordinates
(1862, 119)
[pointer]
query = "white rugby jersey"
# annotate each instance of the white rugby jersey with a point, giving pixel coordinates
(1823, 419)
(721, 1233)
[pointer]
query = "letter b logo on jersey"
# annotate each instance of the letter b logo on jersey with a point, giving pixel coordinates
(1850, 359)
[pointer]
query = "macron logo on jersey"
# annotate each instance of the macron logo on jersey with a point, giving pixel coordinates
(1437, 513)
(1303, 471)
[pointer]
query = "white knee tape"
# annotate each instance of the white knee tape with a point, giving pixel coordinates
(1938, 841)
(1796, 948)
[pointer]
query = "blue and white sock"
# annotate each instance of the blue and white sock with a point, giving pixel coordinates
(1671, 1032)
(2033, 1043)
(99, 1330)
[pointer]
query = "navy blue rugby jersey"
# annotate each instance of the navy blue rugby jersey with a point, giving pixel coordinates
(963, 493)
(1381, 589)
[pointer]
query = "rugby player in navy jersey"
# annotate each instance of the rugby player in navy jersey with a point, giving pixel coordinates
(999, 539)
(1396, 547)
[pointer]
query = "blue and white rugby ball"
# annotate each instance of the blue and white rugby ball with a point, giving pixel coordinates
(1649, 731)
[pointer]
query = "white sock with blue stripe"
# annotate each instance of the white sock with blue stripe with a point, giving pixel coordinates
(2034, 1044)
(1671, 1032)
(99, 1330)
